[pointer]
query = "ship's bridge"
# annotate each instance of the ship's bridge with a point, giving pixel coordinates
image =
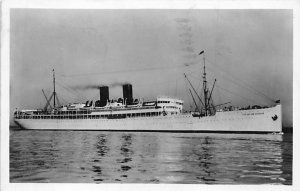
(170, 105)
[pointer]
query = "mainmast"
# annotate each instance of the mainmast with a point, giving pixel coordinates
(54, 93)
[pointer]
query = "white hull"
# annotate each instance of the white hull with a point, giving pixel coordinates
(255, 120)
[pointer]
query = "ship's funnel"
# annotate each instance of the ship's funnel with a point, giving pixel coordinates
(104, 96)
(127, 93)
(104, 93)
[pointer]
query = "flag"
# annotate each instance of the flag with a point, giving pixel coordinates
(201, 52)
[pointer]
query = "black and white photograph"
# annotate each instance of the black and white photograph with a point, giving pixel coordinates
(148, 96)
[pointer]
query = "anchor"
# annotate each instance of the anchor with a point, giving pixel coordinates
(275, 117)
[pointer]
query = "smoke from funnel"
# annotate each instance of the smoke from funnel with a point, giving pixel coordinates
(97, 86)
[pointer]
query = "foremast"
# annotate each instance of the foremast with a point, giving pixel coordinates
(207, 99)
(205, 90)
(54, 93)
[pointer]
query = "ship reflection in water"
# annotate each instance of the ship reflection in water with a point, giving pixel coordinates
(136, 157)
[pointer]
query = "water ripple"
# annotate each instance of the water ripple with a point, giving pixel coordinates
(90, 156)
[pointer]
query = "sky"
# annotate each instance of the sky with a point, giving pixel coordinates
(249, 52)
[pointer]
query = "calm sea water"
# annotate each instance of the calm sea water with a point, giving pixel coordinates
(137, 157)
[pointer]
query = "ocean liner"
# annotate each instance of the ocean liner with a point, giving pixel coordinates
(165, 114)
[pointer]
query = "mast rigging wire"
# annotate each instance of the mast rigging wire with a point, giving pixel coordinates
(123, 71)
(239, 81)
(231, 91)
(71, 90)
